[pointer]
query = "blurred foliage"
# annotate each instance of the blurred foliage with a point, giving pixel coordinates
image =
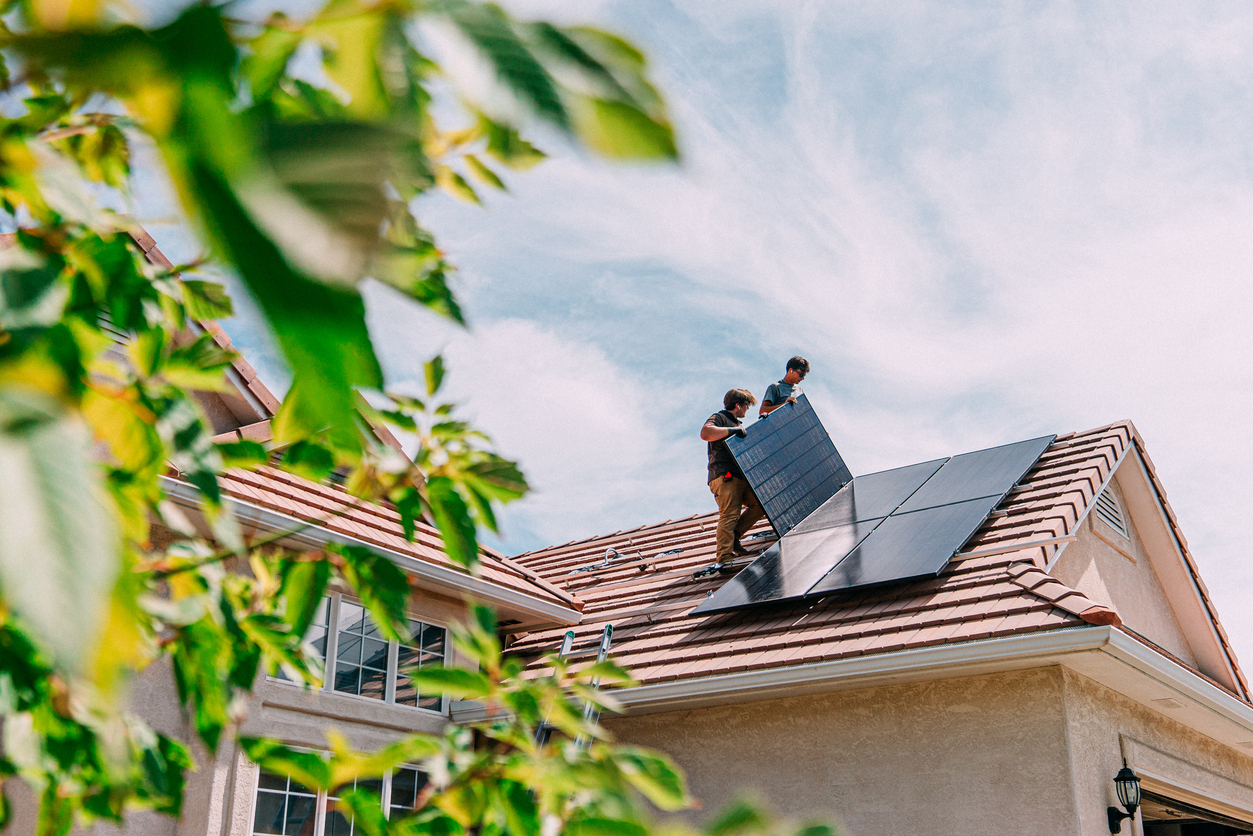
(298, 150)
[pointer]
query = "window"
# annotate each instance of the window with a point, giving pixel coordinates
(362, 663)
(361, 654)
(283, 806)
(286, 808)
(426, 651)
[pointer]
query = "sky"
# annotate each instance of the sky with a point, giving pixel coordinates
(979, 222)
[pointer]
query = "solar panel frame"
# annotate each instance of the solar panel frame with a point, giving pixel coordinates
(791, 463)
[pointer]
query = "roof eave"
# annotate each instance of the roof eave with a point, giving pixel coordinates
(443, 579)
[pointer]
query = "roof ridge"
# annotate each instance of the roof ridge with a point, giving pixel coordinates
(1036, 581)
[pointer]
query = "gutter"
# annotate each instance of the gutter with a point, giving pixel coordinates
(445, 579)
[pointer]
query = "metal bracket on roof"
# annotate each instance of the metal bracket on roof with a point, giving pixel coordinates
(610, 556)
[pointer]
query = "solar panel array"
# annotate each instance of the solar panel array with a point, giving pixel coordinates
(791, 463)
(887, 526)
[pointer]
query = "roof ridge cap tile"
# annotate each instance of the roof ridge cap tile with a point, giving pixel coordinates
(1031, 578)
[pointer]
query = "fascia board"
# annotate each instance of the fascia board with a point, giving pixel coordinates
(942, 661)
(430, 575)
(1214, 710)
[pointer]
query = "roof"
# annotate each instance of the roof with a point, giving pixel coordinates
(997, 586)
(333, 508)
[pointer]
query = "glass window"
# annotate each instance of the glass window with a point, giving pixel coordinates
(283, 807)
(427, 650)
(317, 635)
(338, 823)
(361, 660)
(407, 785)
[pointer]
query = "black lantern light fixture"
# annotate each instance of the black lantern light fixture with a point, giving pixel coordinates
(1127, 783)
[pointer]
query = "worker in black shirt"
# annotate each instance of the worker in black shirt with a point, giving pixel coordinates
(737, 504)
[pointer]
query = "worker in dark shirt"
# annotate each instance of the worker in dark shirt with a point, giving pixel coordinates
(737, 504)
(786, 390)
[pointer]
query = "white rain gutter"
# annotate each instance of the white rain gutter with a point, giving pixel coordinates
(444, 579)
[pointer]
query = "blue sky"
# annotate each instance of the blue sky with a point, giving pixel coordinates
(980, 222)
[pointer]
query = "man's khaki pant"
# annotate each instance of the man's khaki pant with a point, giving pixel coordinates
(732, 495)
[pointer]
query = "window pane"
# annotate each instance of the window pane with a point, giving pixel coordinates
(299, 815)
(272, 781)
(337, 824)
(348, 679)
(316, 636)
(407, 783)
(268, 818)
(374, 653)
(373, 681)
(433, 639)
(427, 650)
(351, 616)
(349, 648)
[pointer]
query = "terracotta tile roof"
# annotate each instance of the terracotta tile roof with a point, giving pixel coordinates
(995, 587)
(335, 509)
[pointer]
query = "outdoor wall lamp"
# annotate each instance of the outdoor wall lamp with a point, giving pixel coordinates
(1127, 783)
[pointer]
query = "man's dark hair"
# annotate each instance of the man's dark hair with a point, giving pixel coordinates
(798, 363)
(736, 397)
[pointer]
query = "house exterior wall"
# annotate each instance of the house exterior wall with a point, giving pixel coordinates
(963, 756)
(1104, 727)
(1118, 572)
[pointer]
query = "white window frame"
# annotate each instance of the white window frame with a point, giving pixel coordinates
(321, 796)
(393, 655)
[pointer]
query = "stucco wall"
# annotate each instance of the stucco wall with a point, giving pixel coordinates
(966, 756)
(1106, 726)
(1125, 582)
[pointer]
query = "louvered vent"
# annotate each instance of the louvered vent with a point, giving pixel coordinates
(1108, 509)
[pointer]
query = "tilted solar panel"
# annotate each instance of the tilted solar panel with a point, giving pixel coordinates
(887, 526)
(791, 464)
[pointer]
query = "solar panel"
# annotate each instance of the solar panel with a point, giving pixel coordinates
(791, 464)
(907, 545)
(789, 568)
(887, 526)
(990, 472)
(870, 497)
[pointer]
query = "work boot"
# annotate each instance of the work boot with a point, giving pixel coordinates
(738, 548)
(725, 568)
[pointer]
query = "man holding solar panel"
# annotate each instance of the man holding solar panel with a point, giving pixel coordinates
(738, 507)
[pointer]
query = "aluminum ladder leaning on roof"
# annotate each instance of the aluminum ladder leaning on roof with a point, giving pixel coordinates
(591, 712)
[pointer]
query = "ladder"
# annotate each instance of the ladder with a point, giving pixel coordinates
(591, 712)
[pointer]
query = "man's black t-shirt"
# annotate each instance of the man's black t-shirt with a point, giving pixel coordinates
(721, 462)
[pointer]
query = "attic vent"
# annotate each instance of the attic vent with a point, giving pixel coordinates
(1108, 509)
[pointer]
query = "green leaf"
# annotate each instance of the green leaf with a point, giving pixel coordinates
(320, 328)
(434, 374)
(655, 776)
(206, 300)
(453, 520)
(58, 542)
(352, 38)
(621, 130)
(484, 173)
(456, 185)
(308, 459)
(304, 584)
(365, 810)
(454, 683)
(516, 68)
(597, 826)
(521, 812)
(506, 145)
(739, 817)
(243, 453)
(270, 52)
(305, 768)
(383, 588)
(498, 478)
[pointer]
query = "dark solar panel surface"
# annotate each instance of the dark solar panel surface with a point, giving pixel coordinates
(887, 526)
(907, 545)
(989, 472)
(789, 460)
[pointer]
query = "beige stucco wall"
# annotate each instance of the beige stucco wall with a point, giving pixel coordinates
(1105, 726)
(966, 756)
(1117, 571)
